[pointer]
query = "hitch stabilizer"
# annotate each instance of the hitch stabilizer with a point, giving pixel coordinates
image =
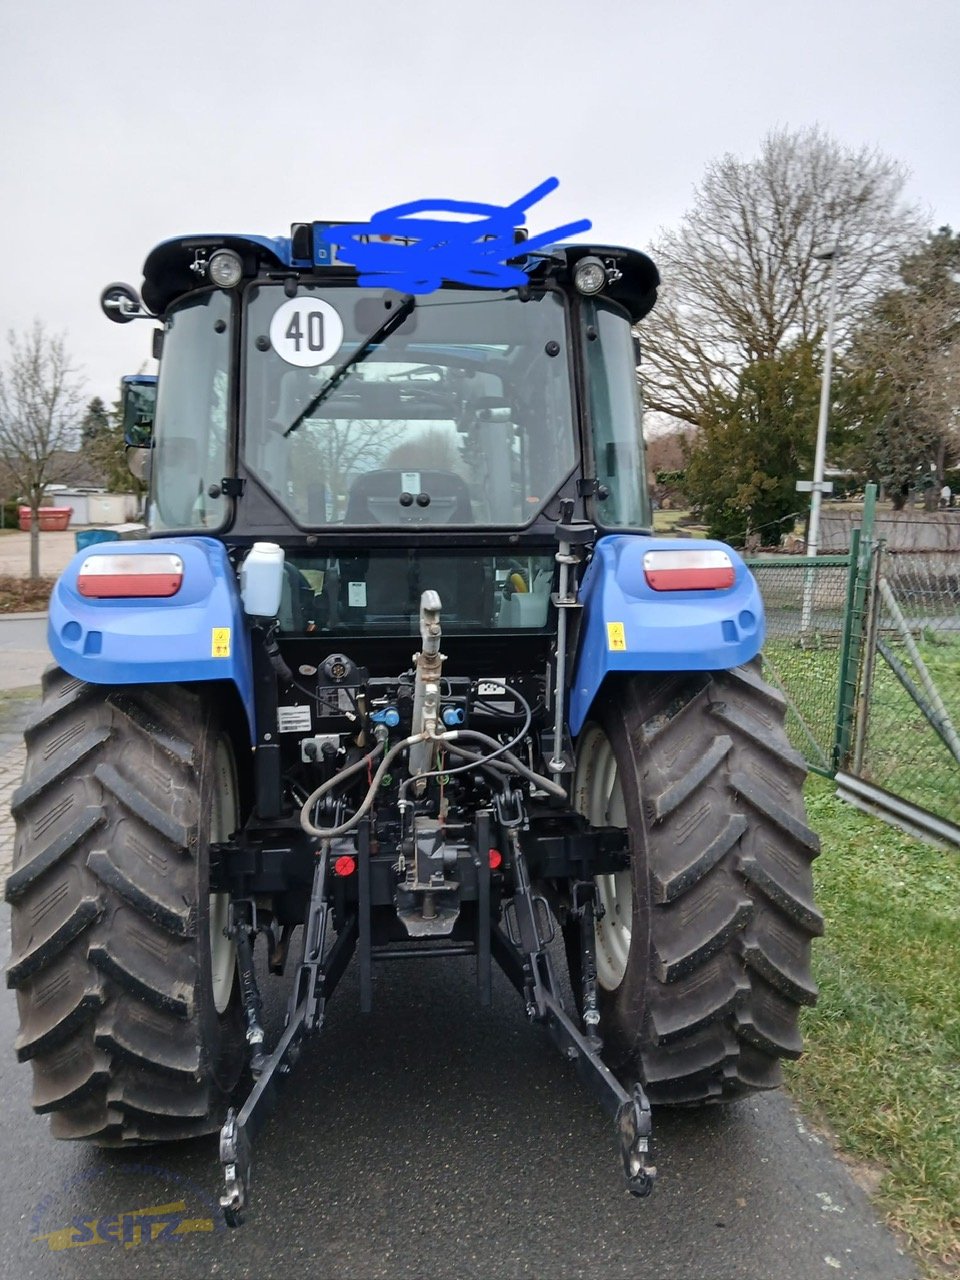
(305, 1014)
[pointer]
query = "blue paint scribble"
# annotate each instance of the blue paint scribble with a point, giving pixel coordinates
(424, 252)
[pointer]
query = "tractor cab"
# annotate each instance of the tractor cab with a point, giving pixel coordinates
(389, 443)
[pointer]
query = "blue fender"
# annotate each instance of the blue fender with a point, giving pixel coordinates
(199, 633)
(627, 626)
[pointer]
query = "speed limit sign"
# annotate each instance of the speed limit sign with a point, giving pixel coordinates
(306, 332)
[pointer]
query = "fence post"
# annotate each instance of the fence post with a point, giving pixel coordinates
(869, 661)
(849, 655)
(851, 645)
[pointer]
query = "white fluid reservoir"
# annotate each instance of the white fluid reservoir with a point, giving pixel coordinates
(261, 580)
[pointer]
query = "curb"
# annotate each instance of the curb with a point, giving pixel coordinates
(22, 617)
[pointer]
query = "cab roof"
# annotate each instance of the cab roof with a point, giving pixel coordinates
(169, 270)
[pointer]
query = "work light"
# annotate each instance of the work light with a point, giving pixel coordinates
(225, 268)
(589, 275)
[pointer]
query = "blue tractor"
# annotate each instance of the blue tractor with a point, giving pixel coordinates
(580, 760)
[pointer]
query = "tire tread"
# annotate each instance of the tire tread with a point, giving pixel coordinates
(723, 853)
(104, 911)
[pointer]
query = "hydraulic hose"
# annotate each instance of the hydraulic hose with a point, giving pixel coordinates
(327, 833)
(498, 754)
(450, 740)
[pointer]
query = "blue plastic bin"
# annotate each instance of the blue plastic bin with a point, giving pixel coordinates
(87, 537)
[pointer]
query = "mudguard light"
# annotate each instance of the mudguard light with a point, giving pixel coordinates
(693, 570)
(106, 577)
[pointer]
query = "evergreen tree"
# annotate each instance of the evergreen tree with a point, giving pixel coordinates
(96, 419)
(753, 445)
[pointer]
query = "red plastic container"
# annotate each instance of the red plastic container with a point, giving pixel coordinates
(52, 519)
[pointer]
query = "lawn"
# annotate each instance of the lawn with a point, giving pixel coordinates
(882, 1061)
(672, 523)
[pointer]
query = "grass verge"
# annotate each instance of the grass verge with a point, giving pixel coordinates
(24, 595)
(882, 1061)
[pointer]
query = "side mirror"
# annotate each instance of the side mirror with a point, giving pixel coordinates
(138, 398)
(139, 463)
(121, 303)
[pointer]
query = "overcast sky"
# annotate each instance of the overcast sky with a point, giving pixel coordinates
(125, 123)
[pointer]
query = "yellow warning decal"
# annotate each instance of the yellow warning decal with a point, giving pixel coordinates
(615, 636)
(220, 642)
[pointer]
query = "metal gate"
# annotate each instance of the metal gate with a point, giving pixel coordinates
(865, 647)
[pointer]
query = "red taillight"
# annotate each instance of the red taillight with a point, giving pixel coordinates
(345, 865)
(693, 570)
(107, 577)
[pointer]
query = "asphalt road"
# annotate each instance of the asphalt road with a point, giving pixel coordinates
(433, 1138)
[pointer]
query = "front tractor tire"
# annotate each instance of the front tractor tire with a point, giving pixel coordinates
(129, 1006)
(703, 947)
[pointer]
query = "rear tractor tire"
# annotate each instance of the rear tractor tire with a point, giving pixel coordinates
(703, 948)
(126, 986)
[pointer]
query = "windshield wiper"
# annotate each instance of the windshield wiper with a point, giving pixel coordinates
(393, 321)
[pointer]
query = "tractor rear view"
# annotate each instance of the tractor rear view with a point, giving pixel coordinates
(399, 670)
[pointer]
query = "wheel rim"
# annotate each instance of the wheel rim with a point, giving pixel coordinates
(224, 818)
(599, 797)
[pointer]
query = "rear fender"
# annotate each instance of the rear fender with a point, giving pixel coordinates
(197, 634)
(628, 626)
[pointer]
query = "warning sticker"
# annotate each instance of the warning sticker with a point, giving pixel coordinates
(615, 636)
(294, 719)
(220, 642)
(306, 332)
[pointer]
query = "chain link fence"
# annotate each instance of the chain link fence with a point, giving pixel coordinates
(865, 647)
(907, 731)
(805, 601)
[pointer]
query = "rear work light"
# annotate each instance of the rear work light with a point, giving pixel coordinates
(107, 577)
(693, 570)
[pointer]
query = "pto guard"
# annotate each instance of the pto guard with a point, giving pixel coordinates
(197, 634)
(628, 626)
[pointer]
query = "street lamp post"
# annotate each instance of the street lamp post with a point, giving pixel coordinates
(819, 486)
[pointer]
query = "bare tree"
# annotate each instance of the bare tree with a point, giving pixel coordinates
(41, 408)
(741, 279)
(432, 447)
(666, 452)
